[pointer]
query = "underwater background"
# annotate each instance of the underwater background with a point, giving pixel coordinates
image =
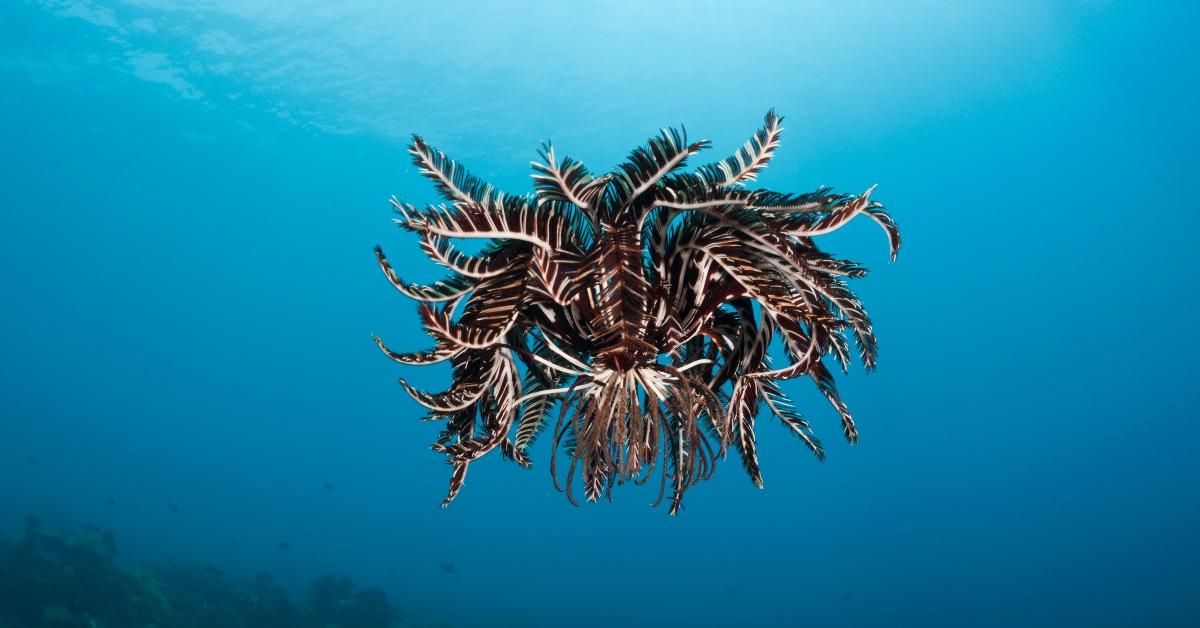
(191, 191)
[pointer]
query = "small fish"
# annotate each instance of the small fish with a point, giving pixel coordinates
(329, 486)
(846, 596)
(33, 460)
(173, 506)
(112, 501)
(285, 545)
(213, 571)
(448, 568)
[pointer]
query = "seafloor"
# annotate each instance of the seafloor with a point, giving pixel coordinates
(73, 579)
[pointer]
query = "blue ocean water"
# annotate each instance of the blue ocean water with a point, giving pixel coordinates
(191, 191)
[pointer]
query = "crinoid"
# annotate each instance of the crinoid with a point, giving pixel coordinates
(633, 311)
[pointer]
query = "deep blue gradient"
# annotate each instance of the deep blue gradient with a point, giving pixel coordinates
(191, 194)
